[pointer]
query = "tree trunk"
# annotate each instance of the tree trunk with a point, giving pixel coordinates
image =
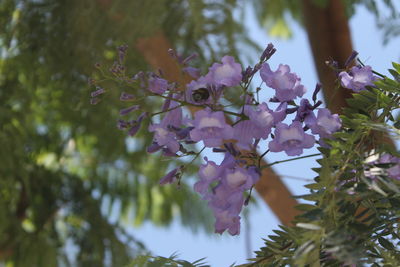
(329, 37)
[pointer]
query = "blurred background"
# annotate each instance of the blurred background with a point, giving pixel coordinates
(76, 191)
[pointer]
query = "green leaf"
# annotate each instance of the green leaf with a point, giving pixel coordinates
(385, 243)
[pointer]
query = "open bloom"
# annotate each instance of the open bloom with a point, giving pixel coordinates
(286, 84)
(325, 124)
(226, 220)
(210, 127)
(358, 78)
(291, 138)
(208, 173)
(229, 73)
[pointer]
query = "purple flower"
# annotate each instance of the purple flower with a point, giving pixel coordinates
(268, 52)
(157, 85)
(128, 110)
(210, 127)
(136, 124)
(325, 124)
(394, 171)
(246, 131)
(193, 72)
(226, 198)
(170, 177)
(189, 58)
(305, 109)
(98, 92)
(229, 73)
(286, 84)
(225, 220)
(163, 136)
(208, 173)
(261, 120)
(358, 78)
(240, 178)
(126, 97)
(226, 205)
(291, 139)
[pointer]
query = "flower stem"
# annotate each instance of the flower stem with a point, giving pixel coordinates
(287, 160)
(167, 110)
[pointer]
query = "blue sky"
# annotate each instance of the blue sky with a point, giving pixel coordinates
(225, 250)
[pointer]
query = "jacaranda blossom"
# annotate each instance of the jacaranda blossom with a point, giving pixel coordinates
(358, 78)
(208, 173)
(291, 138)
(286, 84)
(163, 135)
(210, 127)
(229, 73)
(258, 126)
(202, 91)
(325, 124)
(157, 85)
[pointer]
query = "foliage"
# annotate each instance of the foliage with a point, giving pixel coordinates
(150, 261)
(59, 166)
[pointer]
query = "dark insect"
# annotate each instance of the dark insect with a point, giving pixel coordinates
(201, 94)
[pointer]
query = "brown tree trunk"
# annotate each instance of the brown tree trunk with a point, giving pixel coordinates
(330, 39)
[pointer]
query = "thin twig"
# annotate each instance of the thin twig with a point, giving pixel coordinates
(286, 160)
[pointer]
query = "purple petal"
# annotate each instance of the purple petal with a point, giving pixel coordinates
(128, 110)
(98, 92)
(126, 97)
(170, 177)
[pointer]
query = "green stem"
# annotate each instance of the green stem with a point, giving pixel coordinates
(183, 103)
(196, 156)
(287, 160)
(232, 113)
(167, 110)
(260, 158)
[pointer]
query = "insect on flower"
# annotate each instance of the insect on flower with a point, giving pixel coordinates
(201, 94)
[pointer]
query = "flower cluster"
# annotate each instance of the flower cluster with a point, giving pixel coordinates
(234, 132)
